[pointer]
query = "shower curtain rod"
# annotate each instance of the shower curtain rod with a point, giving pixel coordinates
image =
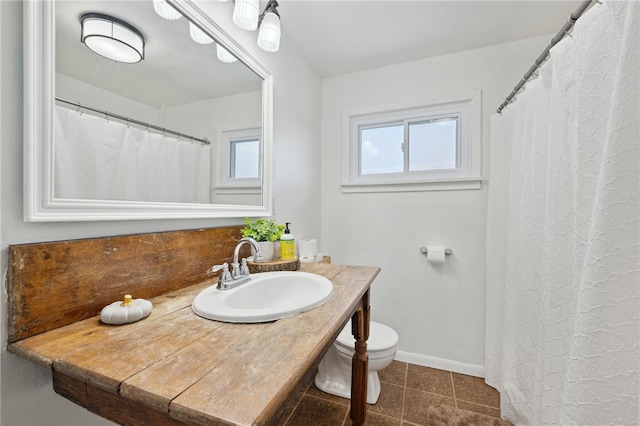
(545, 53)
(134, 121)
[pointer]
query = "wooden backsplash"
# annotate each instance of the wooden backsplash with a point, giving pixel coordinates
(53, 284)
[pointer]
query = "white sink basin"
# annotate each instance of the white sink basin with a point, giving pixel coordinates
(267, 297)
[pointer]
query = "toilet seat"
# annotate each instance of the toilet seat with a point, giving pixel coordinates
(381, 343)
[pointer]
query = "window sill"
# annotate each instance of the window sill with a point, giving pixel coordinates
(434, 185)
(235, 189)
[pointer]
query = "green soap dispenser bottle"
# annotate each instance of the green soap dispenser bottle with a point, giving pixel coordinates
(287, 244)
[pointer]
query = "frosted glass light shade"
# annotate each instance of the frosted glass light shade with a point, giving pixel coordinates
(165, 10)
(224, 55)
(198, 35)
(112, 38)
(269, 35)
(245, 14)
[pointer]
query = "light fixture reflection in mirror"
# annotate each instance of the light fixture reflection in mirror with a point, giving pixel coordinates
(165, 10)
(224, 55)
(112, 38)
(198, 35)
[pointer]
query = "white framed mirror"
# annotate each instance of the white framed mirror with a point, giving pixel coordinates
(66, 181)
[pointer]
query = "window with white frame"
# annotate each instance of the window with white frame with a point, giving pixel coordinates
(241, 158)
(417, 146)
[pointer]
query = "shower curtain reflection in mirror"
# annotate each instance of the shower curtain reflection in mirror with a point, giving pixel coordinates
(126, 163)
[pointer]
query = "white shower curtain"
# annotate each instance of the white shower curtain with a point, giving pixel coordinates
(563, 234)
(98, 159)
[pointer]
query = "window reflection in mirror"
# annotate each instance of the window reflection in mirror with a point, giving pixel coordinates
(180, 85)
(240, 171)
(244, 159)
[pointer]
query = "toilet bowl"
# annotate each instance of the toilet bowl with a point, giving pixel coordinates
(334, 371)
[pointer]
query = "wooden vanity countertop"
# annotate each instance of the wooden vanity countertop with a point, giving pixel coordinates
(191, 370)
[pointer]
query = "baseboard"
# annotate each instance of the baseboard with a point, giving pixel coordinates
(440, 363)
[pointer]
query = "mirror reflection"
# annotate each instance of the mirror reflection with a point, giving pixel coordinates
(181, 125)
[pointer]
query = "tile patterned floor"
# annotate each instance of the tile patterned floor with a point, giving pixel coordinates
(407, 391)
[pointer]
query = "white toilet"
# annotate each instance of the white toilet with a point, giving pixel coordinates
(334, 371)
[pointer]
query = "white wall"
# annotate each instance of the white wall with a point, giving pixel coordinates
(438, 311)
(27, 397)
(207, 117)
(86, 94)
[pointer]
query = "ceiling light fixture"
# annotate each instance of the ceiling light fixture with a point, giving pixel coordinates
(165, 10)
(246, 14)
(269, 35)
(112, 38)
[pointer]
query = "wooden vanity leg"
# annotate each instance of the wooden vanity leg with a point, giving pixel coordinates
(360, 362)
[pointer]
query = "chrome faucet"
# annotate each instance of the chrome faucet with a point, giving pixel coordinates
(239, 272)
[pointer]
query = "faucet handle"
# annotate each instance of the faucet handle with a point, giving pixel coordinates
(244, 268)
(225, 275)
(235, 270)
(216, 268)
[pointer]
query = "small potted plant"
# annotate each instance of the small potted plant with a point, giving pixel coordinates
(266, 233)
